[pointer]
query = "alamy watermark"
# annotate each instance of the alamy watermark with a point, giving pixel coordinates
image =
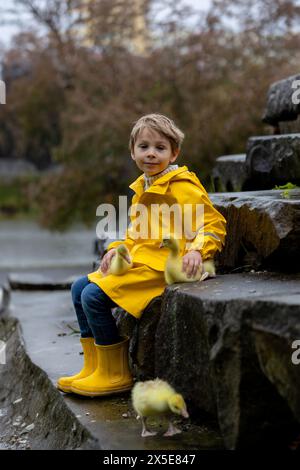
(2, 92)
(296, 354)
(2, 352)
(296, 94)
(153, 221)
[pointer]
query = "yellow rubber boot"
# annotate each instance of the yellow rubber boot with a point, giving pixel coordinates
(89, 365)
(112, 374)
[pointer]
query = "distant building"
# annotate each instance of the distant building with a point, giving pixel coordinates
(125, 24)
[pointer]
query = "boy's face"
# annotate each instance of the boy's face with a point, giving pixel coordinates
(152, 152)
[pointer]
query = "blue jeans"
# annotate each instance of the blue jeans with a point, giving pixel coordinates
(93, 309)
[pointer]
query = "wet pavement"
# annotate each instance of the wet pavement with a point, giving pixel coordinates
(49, 330)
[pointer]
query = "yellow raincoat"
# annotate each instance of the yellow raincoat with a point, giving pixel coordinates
(145, 280)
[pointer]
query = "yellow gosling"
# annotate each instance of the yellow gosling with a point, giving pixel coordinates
(121, 262)
(173, 267)
(157, 398)
(209, 267)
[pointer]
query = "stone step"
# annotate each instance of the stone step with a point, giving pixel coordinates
(227, 345)
(280, 105)
(272, 160)
(263, 230)
(229, 173)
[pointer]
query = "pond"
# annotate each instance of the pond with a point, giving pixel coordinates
(25, 245)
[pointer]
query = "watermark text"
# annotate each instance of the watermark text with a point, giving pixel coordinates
(152, 221)
(296, 354)
(296, 94)
(2, 352)
(2, 92)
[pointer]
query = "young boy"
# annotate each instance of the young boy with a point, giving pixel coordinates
(155, 144)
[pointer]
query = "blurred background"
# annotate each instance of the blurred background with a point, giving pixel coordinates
(78, 73)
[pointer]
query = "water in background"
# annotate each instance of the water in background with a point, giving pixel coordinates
(24, 245)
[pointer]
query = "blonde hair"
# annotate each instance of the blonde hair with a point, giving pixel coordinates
(161, 124)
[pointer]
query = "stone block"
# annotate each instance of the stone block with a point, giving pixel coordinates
(273, 160)
(229, 173)
(280, 106)
(212, 345)
(263, 230)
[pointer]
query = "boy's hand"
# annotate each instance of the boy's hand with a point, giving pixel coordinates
(106, 260)
(191, 262)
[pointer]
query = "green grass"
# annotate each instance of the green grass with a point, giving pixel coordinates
(287, 188)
